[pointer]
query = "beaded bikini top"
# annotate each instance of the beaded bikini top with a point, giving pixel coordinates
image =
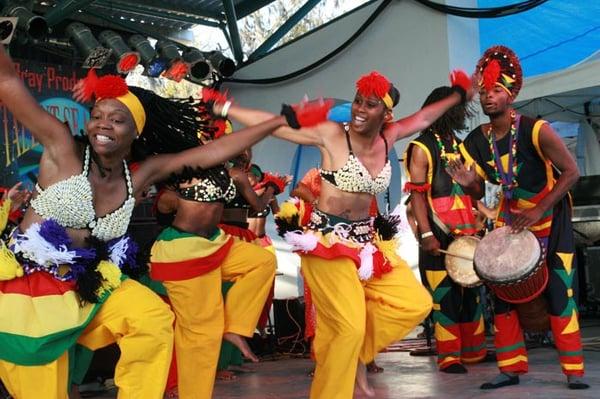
(354, 177)
(70, 203)
(215, 186)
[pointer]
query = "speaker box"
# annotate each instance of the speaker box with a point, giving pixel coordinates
(289, 324)
(591, 269)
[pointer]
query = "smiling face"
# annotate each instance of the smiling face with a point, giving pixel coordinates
(368, 114)
(111, 128)
(494, 102)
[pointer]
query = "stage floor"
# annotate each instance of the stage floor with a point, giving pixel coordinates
(408, 376)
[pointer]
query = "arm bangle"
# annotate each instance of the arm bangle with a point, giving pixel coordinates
(225, 109)
(427, 234)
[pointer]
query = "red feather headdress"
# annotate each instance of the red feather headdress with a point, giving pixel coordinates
(500, 66)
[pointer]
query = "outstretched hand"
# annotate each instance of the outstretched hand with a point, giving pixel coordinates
(463, 175)
(466, 86)
(216, 101)
(78, 92)
(18, 196)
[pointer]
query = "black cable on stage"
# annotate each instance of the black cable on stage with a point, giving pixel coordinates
(319, 62)
(489, 12)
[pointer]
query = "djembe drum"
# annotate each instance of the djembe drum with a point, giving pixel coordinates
(460, 268)
(513, 267)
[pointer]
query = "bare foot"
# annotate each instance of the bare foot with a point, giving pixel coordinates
(242, 345)
(226, 375)
(374, 368)
(362, 383)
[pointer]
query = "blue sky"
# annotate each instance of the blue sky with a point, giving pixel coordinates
(553, 36)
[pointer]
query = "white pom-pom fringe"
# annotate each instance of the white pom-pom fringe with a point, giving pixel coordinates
(301, 241)
(365, 271)
(35, 248)
(118, 251)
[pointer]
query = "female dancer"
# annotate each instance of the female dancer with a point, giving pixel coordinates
(359, 313)
(57, 288)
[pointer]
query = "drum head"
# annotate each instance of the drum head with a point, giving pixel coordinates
(461, 270)
(503, 257)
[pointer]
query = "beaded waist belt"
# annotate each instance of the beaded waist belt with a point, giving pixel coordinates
(360, 231)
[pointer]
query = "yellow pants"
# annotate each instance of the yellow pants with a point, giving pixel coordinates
(141, 324)
(201, 317)
(356, 320)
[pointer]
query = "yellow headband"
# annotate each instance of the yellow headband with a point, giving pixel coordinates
(387, 100)
(136, 108)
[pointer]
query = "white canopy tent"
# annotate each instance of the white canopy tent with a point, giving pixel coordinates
(571, 99)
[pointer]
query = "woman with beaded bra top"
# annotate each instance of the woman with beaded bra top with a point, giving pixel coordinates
(365, 295)
(65, 265)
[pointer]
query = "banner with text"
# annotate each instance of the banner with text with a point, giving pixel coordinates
(51, 85)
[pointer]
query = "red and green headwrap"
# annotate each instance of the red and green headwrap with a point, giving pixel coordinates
(500, 66)
(375, 84)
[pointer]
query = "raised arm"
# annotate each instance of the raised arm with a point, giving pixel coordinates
(421, 119)
(159, 167)
(306, 135)
(45, 128)
(463, 86)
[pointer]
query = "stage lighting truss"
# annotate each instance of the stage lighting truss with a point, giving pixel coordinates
(34, 25)
(177, 68)
(154, 65)
(127, 59)
(199, 66)
(223, 65)
(95, 56)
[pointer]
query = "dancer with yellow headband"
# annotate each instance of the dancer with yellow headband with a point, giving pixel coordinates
(365, 295)
(64, 269)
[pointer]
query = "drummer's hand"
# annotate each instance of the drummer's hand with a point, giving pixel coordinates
(463, 175)
(524, 218)
(431, 245)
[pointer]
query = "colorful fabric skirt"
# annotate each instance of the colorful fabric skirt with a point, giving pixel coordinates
(42, 312)
(178, 255)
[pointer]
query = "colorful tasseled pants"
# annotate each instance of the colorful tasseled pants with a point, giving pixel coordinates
(457, 312)
(135, 318)
(201, 316)
(561, 295)
(357, 319)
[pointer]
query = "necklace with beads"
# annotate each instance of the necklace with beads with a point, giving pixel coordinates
(508, 178)
(442, 148)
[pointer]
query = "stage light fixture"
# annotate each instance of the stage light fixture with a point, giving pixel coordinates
(178, 68)
(223, 65)
(7, 29)
(200, 68)
(127, 59)
(153, 64)
(34, 25)
(94, 54)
